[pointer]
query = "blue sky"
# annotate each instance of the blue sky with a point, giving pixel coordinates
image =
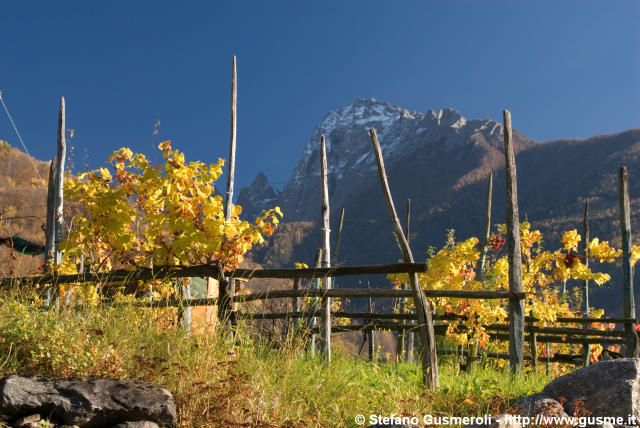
(564, 68)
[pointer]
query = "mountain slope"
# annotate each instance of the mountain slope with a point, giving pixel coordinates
(441, 161)
(22, 205)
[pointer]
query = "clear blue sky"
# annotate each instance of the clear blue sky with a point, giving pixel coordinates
(564, 69)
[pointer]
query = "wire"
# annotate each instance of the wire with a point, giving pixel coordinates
(19, 136)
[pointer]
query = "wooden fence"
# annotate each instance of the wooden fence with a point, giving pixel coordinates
(370, 320)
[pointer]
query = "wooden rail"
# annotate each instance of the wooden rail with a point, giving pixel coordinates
(215, 271)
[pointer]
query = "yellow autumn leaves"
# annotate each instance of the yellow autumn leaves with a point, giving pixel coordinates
(543, 272)
(157, 215)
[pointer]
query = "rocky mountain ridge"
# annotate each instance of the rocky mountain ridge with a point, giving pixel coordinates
(441, 161)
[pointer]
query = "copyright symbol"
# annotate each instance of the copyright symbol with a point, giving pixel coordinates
(360, 419)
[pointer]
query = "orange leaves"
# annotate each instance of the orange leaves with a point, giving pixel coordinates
(496, 243)
(165, 145)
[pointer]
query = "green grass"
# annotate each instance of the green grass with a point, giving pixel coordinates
(217, 382)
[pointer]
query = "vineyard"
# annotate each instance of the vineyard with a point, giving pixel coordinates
(131, 235)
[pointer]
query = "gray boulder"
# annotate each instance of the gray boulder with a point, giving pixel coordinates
(93, 403)
(607, 388)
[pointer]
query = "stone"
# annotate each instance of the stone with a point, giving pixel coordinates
(606, 388)
(540, 404)
(92, 403)
(28, 420)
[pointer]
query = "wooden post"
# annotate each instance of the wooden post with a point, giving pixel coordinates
(227, 288)
(325, 329)
(50, 228)
(59, 179)
(401, 346)
(297, 282)
(628, 303)
(370, 336)
(480, 268)
(314, 304)
(427, 337)
(55, 198)
(516, 306)
(533, 340)
(50, 234)
(585, 284)
(548, 365)
(185, 290)
(336, 261)
(410, 338)
(485, 236)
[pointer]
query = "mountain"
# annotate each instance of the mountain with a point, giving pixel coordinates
(260, 195)
(441, 161)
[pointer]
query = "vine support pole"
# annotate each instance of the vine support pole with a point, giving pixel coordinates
(410, 338)
(313, 307)
(325, 328)
(516, 306)
(59, 179)
(429, 358)
(297, 307)
(50, 228)
(55, 202)
(487, 231)
(628, 303)
(227, 287)
(585, 283)
(405, 338)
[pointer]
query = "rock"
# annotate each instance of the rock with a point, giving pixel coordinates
(500, 421)
(28, 420)
(137, 424)
(540, 404)
(607, 388)
(93, 403)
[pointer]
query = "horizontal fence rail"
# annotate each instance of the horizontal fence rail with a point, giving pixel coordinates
(215, 271)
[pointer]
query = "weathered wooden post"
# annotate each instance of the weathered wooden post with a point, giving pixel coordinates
(516, 305)
(482, 259)
(548, 365)
(404, 338)
(410, 338)
(585, 284)
(185, 293)
(325, 328)
(59, 179)
(296, 304)
(485, 236)
(429, 357)
(533, 339)
(628, 304)
(55, 200)
(313, 307)
(227, 288)
(50, 228)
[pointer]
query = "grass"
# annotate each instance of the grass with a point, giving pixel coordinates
(248, 383)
